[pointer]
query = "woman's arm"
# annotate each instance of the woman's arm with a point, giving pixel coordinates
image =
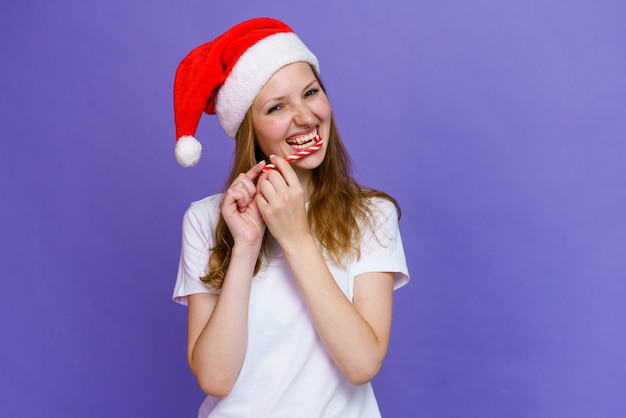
(356, 334)
(218, 325)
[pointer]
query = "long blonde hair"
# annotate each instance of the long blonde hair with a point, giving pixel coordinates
(337, 205)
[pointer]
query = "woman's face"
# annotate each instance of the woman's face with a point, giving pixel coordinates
(289, 112)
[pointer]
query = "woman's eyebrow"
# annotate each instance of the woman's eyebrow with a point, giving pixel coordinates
(275, 99)
(284, 97)
(314, 81)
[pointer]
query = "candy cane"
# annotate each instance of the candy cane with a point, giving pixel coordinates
(310, 150)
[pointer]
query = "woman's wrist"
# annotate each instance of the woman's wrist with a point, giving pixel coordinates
(246, 250)
(297, 247)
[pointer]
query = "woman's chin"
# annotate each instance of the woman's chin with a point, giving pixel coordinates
(309, 162)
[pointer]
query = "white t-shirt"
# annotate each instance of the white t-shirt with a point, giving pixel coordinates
(287, 372)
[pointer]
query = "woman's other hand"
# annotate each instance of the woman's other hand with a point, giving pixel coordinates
(240, 210)
(281, 201)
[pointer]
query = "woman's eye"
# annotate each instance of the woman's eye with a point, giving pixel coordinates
(311, 92)
(273, 109)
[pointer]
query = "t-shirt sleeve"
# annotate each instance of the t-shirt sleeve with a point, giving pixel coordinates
(197, 239)
(382, 249)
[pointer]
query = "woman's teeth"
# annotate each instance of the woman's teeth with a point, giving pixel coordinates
(303, 141)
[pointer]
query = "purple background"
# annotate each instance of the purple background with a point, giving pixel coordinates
(499, 126)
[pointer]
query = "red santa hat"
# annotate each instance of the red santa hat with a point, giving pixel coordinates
(223, 77)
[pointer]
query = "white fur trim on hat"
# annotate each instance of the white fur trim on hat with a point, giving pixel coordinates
(252, 71)
(188, 151)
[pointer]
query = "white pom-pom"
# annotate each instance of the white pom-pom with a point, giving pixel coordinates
(188, 151)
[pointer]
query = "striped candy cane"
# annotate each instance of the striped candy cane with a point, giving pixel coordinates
(310, 150)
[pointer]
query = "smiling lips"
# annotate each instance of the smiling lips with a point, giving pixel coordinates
(310, 149)
(304, 141)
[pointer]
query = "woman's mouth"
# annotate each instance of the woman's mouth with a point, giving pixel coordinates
(303, 141)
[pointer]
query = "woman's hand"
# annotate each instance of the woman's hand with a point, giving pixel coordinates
(240, 210)
(281, 201)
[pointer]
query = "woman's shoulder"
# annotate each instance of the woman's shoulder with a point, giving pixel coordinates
(382, 206)
(209, 202)
(204, 210)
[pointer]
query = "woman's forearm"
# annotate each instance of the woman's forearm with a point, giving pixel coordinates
(356, 335)
(217, 354)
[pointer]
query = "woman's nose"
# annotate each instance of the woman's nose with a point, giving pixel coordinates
(303, 115)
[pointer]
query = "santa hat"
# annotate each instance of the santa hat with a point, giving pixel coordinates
(224, 76)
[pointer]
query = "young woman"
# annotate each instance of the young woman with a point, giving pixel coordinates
(289, 274)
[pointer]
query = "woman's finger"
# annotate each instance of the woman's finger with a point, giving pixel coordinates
(256, 169)
(285, 170)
